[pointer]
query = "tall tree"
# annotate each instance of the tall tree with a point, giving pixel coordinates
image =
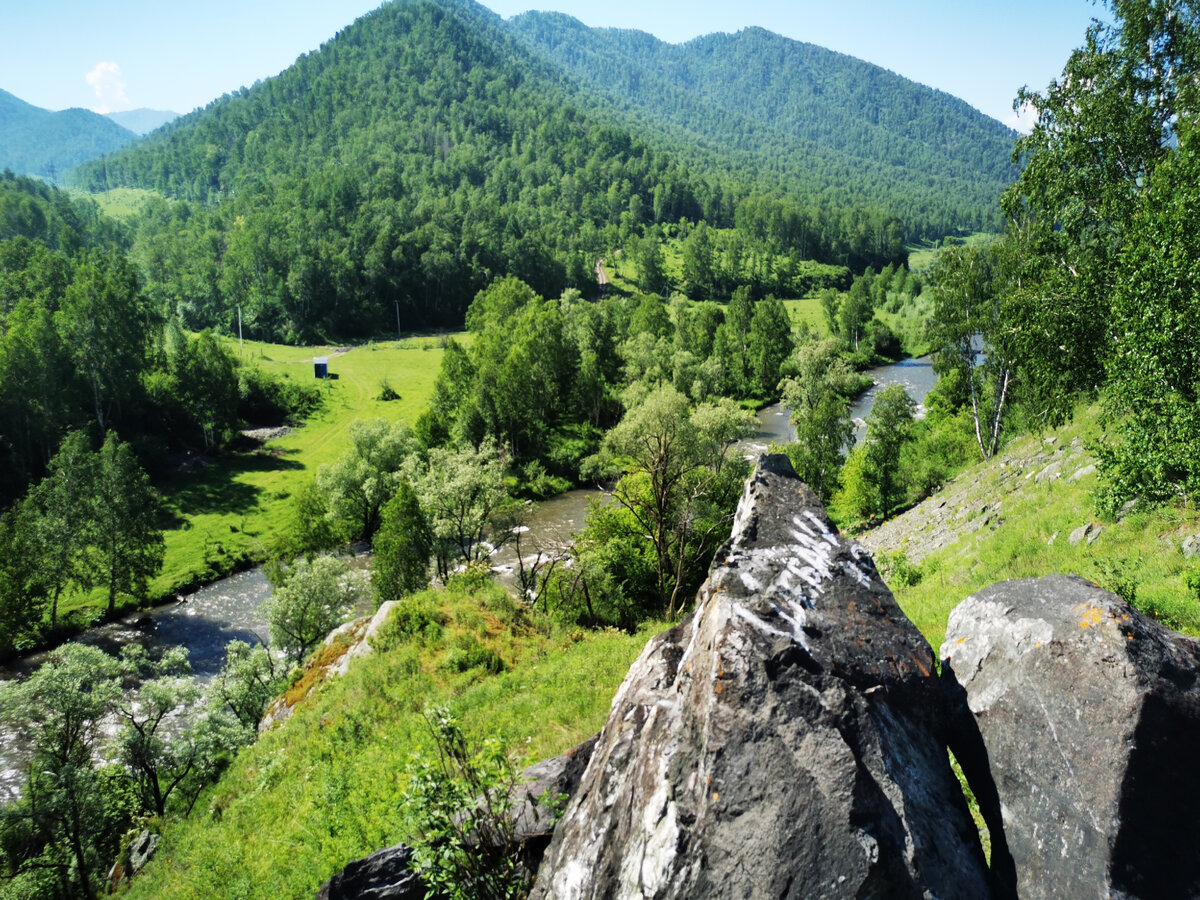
(971, 329)
(469, 508)
(888, 427)
(402, 547)
(104, 322)
(770, 344)
(818, 398)
(1153, 392)
(673, 459)
(62, 507)
(365, 477)
(314, 597)
(64, 820)
(126, 544)
(24, 579)
(1102, 129)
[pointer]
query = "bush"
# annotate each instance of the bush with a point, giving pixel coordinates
(265, 400)
(386, 392)
(468, 654)
(459, 805)
(414, 618)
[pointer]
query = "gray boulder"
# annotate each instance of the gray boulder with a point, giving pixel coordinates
(786, 742)
(1090, 714)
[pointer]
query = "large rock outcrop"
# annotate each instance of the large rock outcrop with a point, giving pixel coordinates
(1090, 714)
(786, 742)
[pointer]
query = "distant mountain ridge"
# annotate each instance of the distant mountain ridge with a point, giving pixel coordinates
(810, 115)
(36, 141)
(143, 120)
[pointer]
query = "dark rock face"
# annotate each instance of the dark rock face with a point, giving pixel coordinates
(381, 876)
(785, 742)
(545, 789)
(1090, 713)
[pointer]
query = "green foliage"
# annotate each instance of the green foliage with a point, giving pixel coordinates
(339, 762)
(827, 125)
(401, 548)
(1028, 539)
(158, 765)
(818, 396)
(47, 144)
(414, 618)
(467, 654)
(1154, 371)
(677, 493)
(24, 583)
(972, 327)
(61, 822)
(463, 494)
(1089, 200)
(267, 400)
(888, 429)
(897, 570)
(311, 528)
(459, 804)
(357, 486)
(314, 597)
(125, 543)
(197, 390)
(247, 682)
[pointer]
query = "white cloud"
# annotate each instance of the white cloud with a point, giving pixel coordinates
(1023, 119)
(109, 86)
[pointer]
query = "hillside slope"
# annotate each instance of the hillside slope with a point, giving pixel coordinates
(47, 144)
(1027, 513)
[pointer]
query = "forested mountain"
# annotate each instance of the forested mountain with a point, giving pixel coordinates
(424, 151)
(808, 118)
(36, 141)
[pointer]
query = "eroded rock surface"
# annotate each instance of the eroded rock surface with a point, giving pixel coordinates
(1090, 713)
(786, 742)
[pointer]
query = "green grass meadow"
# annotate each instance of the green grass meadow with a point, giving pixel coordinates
(1138, 557)
(225, 511)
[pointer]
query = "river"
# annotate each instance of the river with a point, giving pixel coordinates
(232, 608)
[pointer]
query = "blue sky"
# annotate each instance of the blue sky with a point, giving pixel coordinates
(180, 54)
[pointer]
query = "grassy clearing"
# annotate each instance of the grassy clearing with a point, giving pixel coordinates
(121, 203)
(808, 314)
(925, 254)
(226, 511)
(325, 788)
(1138, 557)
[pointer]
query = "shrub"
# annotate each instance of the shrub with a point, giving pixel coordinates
(415, 618)
(469, 654)
(458, 804)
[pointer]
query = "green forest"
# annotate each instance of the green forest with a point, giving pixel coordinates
(428, 202)
(463, 157)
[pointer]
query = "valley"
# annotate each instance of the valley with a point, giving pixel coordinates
(360, 430)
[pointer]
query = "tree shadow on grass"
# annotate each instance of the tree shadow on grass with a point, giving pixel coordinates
(216, 488)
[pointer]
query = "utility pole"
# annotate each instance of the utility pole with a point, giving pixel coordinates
(399, 334)
(239, 328)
